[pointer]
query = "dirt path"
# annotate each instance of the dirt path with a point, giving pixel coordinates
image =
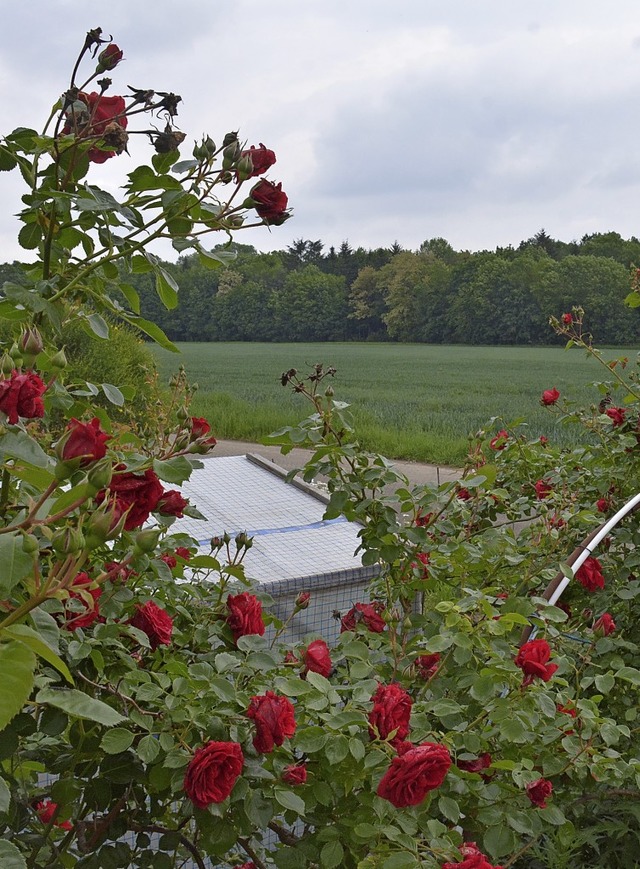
(417, 472)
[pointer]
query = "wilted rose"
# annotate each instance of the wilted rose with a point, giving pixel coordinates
(366, 613)
(539, 791)
(543, 489)
(616, 415)
(295, 774)
(499, 442)
(427, 665)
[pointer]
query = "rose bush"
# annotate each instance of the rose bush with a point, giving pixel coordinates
(152, 712)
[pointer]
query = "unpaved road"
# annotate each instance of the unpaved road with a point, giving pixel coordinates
(416, 472)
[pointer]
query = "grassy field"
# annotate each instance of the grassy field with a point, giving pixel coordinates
(411, 401)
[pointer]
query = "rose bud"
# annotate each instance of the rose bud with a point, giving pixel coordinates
(302, 601)
(109, 58)
(567, 319)
(147, 540)
(31, 342)
(549, 397)
(604, 626)
(59, 360)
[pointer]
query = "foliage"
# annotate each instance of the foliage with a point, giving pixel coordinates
(153, 713)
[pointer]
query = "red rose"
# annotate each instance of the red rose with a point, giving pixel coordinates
(499, 442)
(20, 395)
(199, 429)
(473, 859)
(295, 774)
(118, 572)
(245, 615)
(427, 665)
(543, 489)
(183, 552)
(544, 440)
(85, 441)
(616, 415)
(566, 710)
(423, 567)
(89, 598)
(549, 396)
(422, 520)
(169, 560)
(156, 623)
(464, 494)
(603, 505)
(482, 762)
(136, 493)
(249, 865)
(105, 115)
(366, 613)
(274, 720)
(604, 626)
(316, 658)
(538, 791)
(532, 658)
(109, 58)
(272, 201)
(415, 771)
(302, 600)
(262, 159)
(567, 319)
(47, 810)
(391, 712)
(212, 773)
(172, 504)
(590, 574)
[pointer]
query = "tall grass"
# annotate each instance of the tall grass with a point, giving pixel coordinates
(410, 401)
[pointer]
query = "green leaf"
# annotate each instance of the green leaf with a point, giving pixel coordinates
(30, 236)
(63, 502)
(140, 265)
(131, 296)
(331, 855)
(5, 796)
(98, 325)
(17, 665)
(605, 683)
(19, 445)
(114, 395)
(26, 635)
(401, 860)
(10, 857)
(499, 841)
(148, 748)
(16, 563)
(7, 160)
(217, 258)
(80, 705)
(117, 740)
(449, 808)
(629, 674)
(153, 331)
(175, 470)
(166, 288)
(47, 628)
(289, 800)
(163, 162)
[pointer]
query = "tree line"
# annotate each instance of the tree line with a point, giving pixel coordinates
(434, 294)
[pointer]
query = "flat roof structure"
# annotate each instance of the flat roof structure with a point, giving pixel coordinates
(294, 548)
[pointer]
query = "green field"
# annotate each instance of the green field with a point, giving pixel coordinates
(411, 401)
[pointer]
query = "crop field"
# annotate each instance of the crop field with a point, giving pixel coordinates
(412, 401)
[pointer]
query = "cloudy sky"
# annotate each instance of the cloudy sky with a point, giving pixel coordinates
(477, 120)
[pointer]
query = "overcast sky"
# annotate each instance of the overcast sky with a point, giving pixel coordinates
(477, 120)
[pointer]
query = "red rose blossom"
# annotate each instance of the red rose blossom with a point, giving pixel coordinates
(482, 762)
(46, 810)
(427, 665)
(543, 489)
(92, 611)
(118, 572)
(604, 625)
(316, 658)
(172, 504)
(567, 319)
(590, 574)
(603, 505)
(366, 613)
(85, 441)
(539, 791)
(105, 115)
(213, 772)
(169, 560)
(21, 396)
(532, 658)
(391, 712)
(183, 552)
(274, 720)
(549, 397)
(262, 158)
(544, 440)
(423, 519)
(415, 771)
(245, 615)
(499, 442)
(473, 859)
(272, 201)
(302, 600)
(156, 623)
(200, 428)
(616, 415)
(136, 493)
(295, 774)
(424, 558)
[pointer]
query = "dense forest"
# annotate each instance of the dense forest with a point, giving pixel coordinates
(435, 294)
